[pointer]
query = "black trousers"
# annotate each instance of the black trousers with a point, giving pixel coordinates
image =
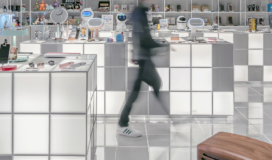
(148, 74)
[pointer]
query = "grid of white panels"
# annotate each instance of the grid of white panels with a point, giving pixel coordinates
(47, 114)
(190, 70)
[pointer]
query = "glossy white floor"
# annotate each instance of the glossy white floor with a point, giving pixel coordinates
(176, 139)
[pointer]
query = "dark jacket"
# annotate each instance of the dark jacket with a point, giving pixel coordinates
(142, 40)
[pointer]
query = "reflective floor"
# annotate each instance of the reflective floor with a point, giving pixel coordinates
(177, 138)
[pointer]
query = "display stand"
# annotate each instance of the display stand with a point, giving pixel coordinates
(49, 113)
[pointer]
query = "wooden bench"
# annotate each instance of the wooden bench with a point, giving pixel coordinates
(228, 146)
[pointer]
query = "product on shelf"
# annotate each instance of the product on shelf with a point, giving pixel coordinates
(214, 26)
(56, 4)
(207, 21)
(179, 8)
(218, 19)
(152, 8)
(171, 20)
(23, 8)
(116, 7)
(261, 21)
(42, 6)
(36, 7)
(28, 19)
(31, 65)
(195, 8)
(251, 8)
(257, 8)
(181, 23)
(230, 7)
(104, 6)
(37, 21)
(222, 7)
(205, 8)
(51, 8)
(229, 20)
(166, 9)
(269, 9)
(123, 7)
(83, 32)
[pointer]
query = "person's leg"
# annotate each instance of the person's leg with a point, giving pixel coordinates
(152, 78)
(123, 121)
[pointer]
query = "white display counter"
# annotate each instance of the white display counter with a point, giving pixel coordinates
(197, 79)
(50, 112)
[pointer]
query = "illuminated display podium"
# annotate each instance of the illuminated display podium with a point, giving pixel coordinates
(49, 112)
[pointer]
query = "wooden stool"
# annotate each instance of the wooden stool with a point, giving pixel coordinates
(228, 146)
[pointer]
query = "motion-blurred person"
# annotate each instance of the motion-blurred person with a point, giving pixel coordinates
(142, 44)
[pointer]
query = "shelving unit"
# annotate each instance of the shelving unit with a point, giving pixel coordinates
(239, 15)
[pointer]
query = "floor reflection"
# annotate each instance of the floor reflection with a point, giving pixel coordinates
(177, 138)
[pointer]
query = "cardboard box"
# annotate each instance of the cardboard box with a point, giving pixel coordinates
(195, 8)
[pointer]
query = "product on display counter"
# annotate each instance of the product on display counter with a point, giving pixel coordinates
(119, 37)
(59, 16)
(109, 40)
(51, 63)
(194, 24)
(40, 65)
(60, 55)
(214, 26)
(4, 56)
(163, 24)
(174, 37)
(121, 19)
(95, 24)
(181, 23)
(65, 65)
(108, 22)
(171, 20)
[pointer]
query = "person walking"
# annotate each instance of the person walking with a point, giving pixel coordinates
(142, 44)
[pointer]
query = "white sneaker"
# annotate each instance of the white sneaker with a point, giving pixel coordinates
(128, 131)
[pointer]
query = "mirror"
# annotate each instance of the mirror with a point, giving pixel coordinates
(194, 24)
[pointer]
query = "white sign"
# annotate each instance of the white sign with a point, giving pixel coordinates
(164, 24)
(108, 22)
